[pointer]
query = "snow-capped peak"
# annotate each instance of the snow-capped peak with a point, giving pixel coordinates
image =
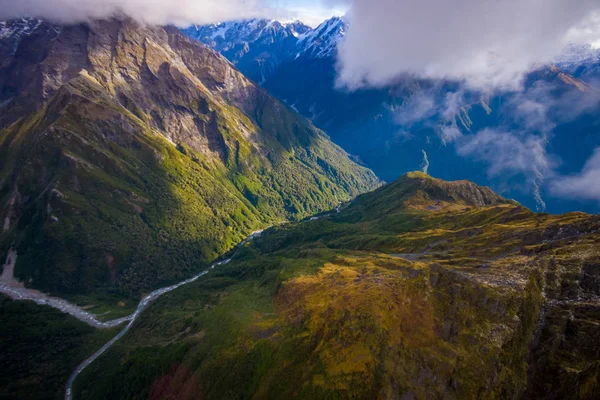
(578, 54)
(323, 40)
(18, 27)
(223, 36)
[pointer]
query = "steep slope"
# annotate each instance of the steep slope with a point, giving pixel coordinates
(422, 289)
(132, 155)
(256, 46)
(388, 128)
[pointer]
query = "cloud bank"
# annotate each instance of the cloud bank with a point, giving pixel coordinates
(487, 43)
(509, 154)
(160, 12)
(583, 185)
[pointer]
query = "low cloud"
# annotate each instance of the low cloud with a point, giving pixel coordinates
(419, 107)
(511, 154)
(161, 12)
(425, 163)
(449, 134)
(488, 44)
(583, 185)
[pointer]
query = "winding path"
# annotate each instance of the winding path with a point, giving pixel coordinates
(140, 308)
(132, 318)
(16, 290)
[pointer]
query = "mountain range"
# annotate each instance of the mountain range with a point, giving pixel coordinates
(132, 155)
(388, 128)
(172, 230)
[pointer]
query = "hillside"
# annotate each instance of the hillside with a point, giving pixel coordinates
(387, 128)
(132, 156)
(421, 289)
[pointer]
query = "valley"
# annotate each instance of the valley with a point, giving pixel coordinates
(176, 225)
(336, 303)
(143, 157)
(387, 128)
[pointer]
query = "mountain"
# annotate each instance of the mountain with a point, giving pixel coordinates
(420, 289)
(132, 156)
(259, 46)
(255, 46)
(388, 128)
(580, 60)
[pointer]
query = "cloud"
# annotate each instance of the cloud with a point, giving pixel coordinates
(506, 152)
(510, 154)
(417, 108)
(178, 12)
(583, 185)
(311, 12)
(449, 133)
(488, 44)
(425, 164)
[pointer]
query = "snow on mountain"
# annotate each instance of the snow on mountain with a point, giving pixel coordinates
(322, 41)
(18, 27)
(12, 32)
(224, 36)
(577, 55)
(259, 46)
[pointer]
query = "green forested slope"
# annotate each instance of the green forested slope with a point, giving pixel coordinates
(131, 156)
(421, 289)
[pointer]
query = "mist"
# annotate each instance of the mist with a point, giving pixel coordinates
(488, 44)
(160, 12)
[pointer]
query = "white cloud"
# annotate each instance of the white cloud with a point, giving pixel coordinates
(425, 164)
(509, 154)
(178, 12)
(449, 133)
(453, 103)
(584, 185)
(417, 108)
(506, 152)
(311, 12)
(487, 43)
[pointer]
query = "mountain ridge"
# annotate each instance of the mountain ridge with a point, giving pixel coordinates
(114, 129)
(369, 301)
(411, 115)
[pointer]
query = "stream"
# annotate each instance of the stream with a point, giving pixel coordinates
(149, 299)
(140, 308)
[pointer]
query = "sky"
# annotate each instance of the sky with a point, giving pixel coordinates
(488, 44)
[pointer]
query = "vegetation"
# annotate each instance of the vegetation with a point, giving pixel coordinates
(417, 290)
(111, 187)
(40, 348)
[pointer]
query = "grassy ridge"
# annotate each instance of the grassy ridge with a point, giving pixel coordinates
(416, 301)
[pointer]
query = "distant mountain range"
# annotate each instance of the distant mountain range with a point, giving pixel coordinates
(387, 129)
(259, 47)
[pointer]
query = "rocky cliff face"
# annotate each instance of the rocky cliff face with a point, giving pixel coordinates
(256, 46)
(132, 154)
(422, 289)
